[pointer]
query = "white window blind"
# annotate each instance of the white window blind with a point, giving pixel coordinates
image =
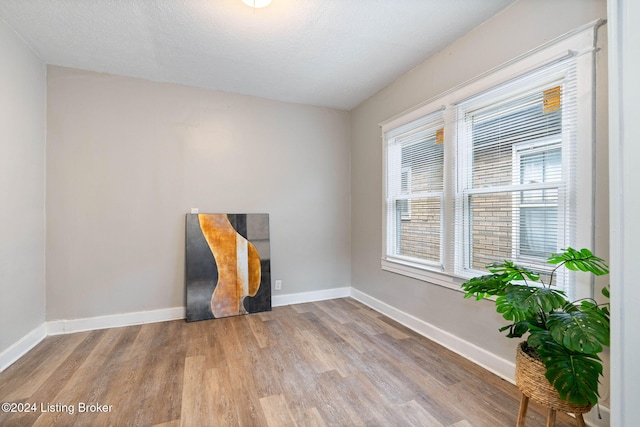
(516, 167)
(414, 159)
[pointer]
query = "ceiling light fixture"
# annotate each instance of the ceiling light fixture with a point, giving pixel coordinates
(257, 4)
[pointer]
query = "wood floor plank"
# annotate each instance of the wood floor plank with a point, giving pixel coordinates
(352, 336)
(40, 368)
(414, 414)
(329, 357)
(336, 405)
(236, 353)
(312, 418)
(174, 423)
(335, 310)
(218, 382)
(376, 326)
(158, 352)
(256, 324)
(305, 307)
(484, 411)
(248, 409)
(381, 412)
(88, 383)
(276, 411)
(292, 320)
(423, 385)
(326, 363)
(16, 374)
(195, 408)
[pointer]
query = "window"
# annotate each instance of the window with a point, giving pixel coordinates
(415, 165)
(511, 142)
(490, 170)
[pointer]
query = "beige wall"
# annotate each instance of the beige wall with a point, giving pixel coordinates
(127, 158)
(22, 188)
(519, 28)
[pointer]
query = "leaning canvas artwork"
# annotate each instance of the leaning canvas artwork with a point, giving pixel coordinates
(227, 269)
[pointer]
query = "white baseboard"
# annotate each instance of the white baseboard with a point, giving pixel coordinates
(592, 420)
(20, 348)
(302, 297)
(57, 327)
(499, 366)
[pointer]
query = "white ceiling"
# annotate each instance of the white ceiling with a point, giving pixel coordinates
(333, 53)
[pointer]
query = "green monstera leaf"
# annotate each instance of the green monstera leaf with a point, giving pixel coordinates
(581, 331)
(520, 303)
(483, 286)
(516, 330)
(582, 260)
(510, 271)
(575, 375)
(538, 338)
(605, 308)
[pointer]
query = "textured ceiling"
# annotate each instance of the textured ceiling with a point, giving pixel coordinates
(333, 53)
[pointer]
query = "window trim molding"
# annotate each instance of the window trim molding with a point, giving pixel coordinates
(581, 43)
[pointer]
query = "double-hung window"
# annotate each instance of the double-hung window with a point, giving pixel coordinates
(414, 181)
(516, 155)
(499, 168)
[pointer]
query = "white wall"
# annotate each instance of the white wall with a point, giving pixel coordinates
(22, 189)
(624, 68)
(521, 27)
(127, 158)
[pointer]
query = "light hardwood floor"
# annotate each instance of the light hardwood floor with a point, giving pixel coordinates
(329, 363)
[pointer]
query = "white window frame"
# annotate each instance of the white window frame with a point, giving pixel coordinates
(580, 43)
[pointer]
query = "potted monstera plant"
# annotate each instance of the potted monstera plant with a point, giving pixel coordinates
(565, 336)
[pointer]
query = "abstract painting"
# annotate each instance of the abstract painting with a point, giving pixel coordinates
(227, 265)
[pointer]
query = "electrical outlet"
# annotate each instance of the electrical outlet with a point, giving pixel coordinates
(278, 285)
(194, 210)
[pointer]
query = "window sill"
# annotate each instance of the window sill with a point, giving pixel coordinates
(423, 273)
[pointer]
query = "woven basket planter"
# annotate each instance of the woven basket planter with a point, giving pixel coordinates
(532, 383)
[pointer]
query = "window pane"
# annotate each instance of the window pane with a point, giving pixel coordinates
(538, 231)
(419, 237)
(500, 227)
(497, 130)
(541, 166)
(491, 228)
(425, 160)
(537, 234)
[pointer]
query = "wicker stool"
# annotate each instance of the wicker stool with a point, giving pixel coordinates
(534, 385)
